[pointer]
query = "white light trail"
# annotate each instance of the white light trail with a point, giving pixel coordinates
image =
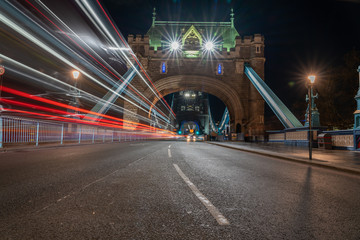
(99, 57)
(91, 13)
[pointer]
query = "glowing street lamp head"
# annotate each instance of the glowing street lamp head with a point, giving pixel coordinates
(209, 46)
(76, 74)
(312, 79)
(175, 45)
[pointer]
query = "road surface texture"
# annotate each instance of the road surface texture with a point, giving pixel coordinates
(171, 190)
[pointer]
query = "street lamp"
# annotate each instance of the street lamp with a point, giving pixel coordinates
(76, 75)
(2, 71)
(310, 90)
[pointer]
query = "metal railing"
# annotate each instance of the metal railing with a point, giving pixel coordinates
(18, 130)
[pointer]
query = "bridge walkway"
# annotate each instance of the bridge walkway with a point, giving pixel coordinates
(343, 160)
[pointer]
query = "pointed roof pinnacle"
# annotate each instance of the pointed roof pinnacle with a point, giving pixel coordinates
(154, 17)
(232, 17)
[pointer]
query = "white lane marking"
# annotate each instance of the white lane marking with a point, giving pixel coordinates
(169, 152)
(170, 146)
(212, 209)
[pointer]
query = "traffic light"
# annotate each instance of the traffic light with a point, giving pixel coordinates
(197, 132)
(179, 132)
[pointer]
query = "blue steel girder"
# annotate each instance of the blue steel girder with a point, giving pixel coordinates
(278, 107)
(212, 124)
(224, 120)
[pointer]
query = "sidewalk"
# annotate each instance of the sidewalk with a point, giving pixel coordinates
(343, 160)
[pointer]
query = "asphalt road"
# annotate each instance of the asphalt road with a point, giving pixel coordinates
(171, 190)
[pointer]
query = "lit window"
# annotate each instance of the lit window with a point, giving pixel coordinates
(190, 108)
(163, 67)
(219, 70)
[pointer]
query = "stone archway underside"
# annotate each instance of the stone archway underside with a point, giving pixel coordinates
(209, 85)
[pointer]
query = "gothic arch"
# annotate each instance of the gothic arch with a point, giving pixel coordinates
(209, 85)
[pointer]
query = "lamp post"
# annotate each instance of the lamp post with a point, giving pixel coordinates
(76, 75)
(2, 71)
(310, 93)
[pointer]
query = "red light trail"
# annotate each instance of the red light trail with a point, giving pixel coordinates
(47, 101)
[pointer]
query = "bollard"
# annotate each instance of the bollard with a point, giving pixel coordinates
(62, 134)
(37, 133)
(80, 134)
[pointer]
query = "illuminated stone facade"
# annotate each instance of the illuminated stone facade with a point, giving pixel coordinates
(219, 71)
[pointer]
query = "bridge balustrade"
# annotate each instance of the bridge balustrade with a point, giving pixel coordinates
(17, 131)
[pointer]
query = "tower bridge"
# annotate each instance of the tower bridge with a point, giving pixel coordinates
(207, 57)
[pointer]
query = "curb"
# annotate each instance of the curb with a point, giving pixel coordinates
(293, 159)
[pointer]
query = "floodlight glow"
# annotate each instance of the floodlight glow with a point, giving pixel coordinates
(312, 79)
(175, 45)
(76, 74)
(187, 94)
(209, 46)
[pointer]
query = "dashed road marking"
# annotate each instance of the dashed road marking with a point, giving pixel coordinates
(169, 152)
(212, 209)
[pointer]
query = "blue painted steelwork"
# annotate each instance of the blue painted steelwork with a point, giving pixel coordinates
(187, 130)
(281, 111)
(212, 125)
(224, 121)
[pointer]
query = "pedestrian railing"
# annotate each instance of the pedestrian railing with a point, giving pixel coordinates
(18, 130)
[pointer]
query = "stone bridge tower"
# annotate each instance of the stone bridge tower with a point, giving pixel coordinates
(195, 66)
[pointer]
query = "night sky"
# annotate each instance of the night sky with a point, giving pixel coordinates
(301, 37)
